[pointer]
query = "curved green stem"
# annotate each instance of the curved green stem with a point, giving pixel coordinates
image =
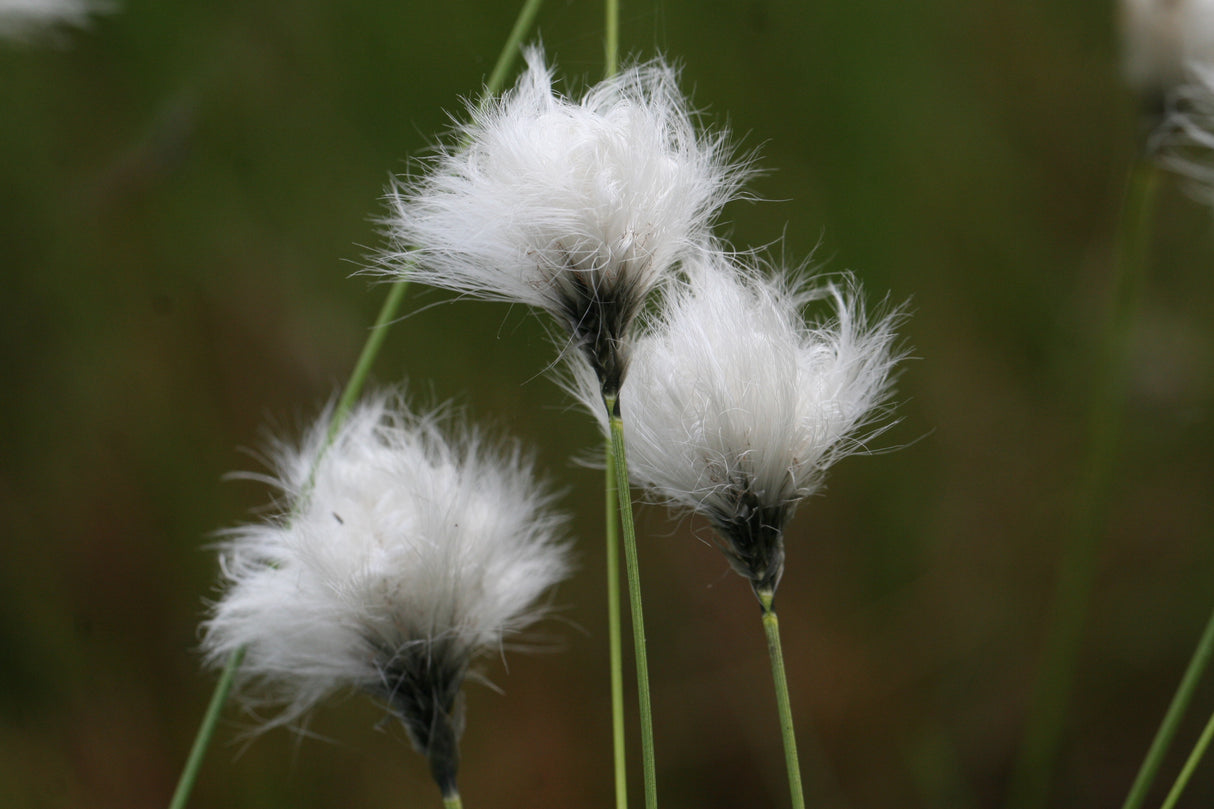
(1055, 679)
(1171, 720)
(649, 768)
(771, 628)
(614, 634)
(1186, 772)
(206, 730)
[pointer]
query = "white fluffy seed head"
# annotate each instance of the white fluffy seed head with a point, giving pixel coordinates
(399, 539)
(27, 20)
(577, 206)
(1161, 39)
(735, 407)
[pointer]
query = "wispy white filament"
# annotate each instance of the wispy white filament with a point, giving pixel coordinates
(735, 407)
(577, 206)
(401, 543)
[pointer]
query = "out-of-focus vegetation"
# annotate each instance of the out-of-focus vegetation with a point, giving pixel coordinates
(185, 192)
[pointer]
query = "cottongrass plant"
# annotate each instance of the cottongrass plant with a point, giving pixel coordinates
(581, 208)
(736, 407)
(399, 555)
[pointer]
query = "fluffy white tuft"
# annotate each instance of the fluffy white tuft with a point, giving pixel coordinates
(1161, 39)
(25, 20)
(580, 207)
(735, 407)
(402, 540)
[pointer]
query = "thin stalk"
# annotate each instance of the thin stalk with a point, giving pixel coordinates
(1171, 720)
(771, 628)
(612, 44)
(1055, 679)
(353, 389)
(614, 634)
(649, 768)
(1186, 772)
(205, 731)
(452, 802)
(505, 59)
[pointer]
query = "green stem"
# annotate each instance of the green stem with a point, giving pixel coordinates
(612, 45)
(614, 634)
(354, 387)
(771, 627)
(1171, 720)
(452, 802)
(522, 24)
(205, 731)
(634, 596)
(1182, 780)
(1055, 679)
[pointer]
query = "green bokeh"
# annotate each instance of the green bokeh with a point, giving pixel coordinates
(185, 192)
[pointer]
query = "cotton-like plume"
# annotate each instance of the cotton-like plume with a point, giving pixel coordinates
(579, 207)
(735, 407)
(397, 558)
(1161, 40)
(24, 20)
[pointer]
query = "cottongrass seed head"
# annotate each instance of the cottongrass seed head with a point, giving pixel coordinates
(578, 206)
(735, 406)
(395, 560)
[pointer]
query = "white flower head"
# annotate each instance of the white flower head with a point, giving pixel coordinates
(580, 206)
(1161, 39)
(398, 557)
(735, 406)
(26, 20)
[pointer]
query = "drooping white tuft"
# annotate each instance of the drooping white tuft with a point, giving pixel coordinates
(735, 407)
(579, 207)
(25, 20)
(396, 559)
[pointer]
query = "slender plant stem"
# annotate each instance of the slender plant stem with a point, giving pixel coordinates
(771, 628)
(353, 389)
(522, 24)
(612, 514)
(634, 597)
(614, 634)
(612, 44)
(452, 802)
(1171, 720)
(205, 731)
(1055, 679)
(1186, 772)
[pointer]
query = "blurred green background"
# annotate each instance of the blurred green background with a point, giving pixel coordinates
(185, 192)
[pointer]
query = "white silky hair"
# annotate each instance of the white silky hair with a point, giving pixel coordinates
(731, 386)
(399, 535)
(614, 186)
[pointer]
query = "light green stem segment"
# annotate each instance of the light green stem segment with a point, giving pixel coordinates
(1171, 720)
(614, 634)
(354, 388)
(452, 802)
(648, 765)
(771, 628)
(1186, 772)
(612, 45)
(205, 731)
(1055, 679)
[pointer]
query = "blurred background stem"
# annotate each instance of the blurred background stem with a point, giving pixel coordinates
(1048, 710)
